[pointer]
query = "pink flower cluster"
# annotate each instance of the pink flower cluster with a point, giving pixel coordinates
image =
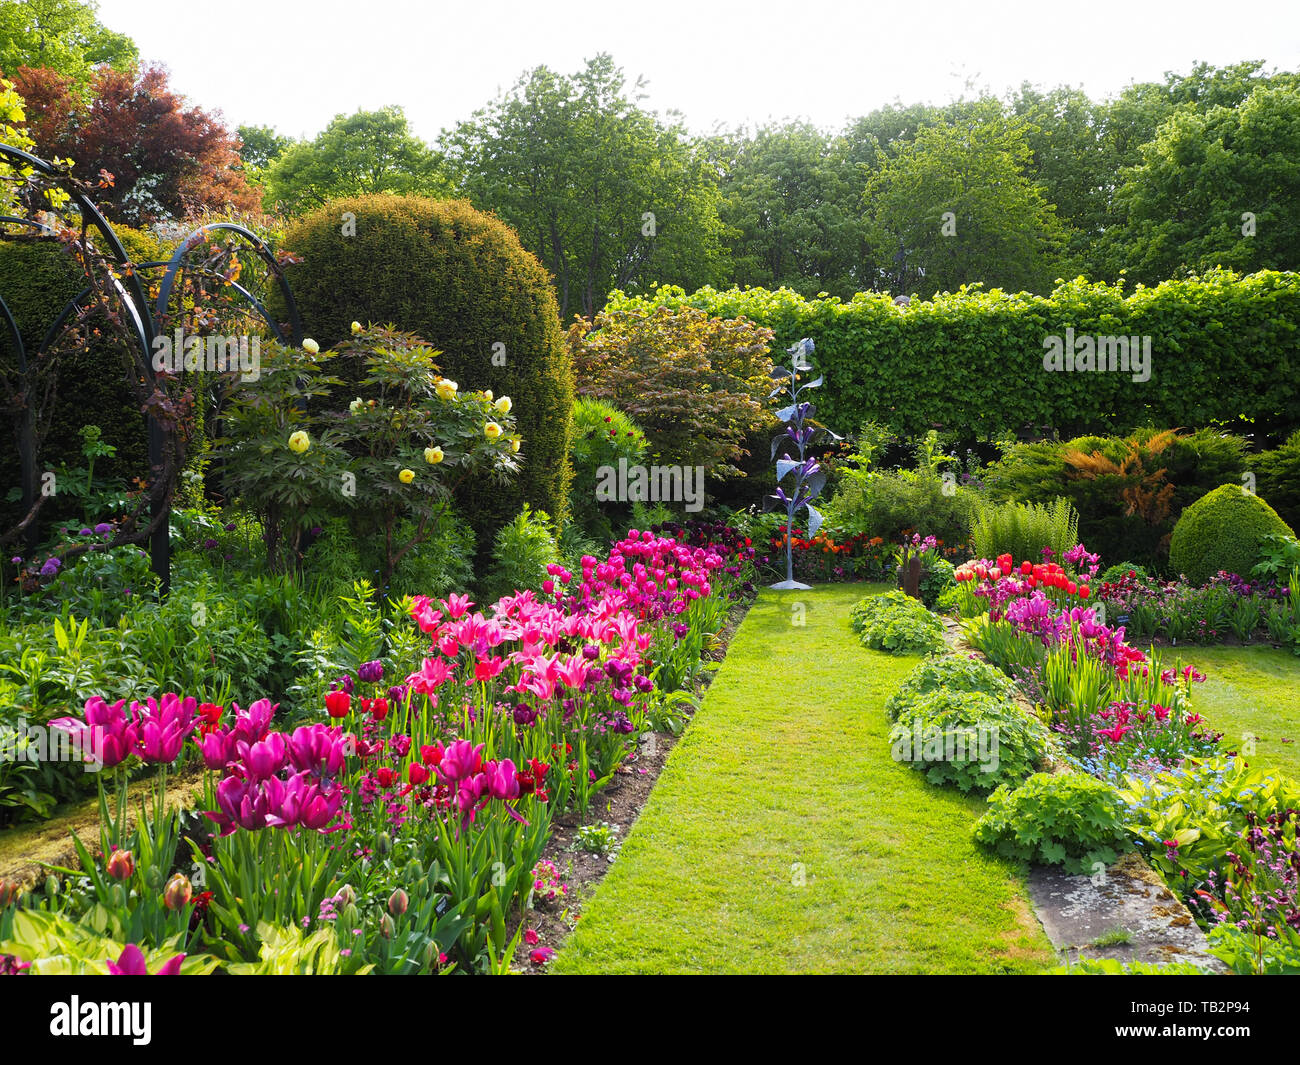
(275, 779)
(155, 731)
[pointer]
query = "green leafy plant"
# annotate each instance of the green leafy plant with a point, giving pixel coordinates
(971, 740)
(897, 623)
(1022, 530)
(954, 673)
(521, 552)
(1064, 819)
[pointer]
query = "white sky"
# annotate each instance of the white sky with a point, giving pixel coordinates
(294, 64)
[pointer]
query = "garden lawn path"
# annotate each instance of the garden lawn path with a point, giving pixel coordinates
(782, 837)
(1255, 691)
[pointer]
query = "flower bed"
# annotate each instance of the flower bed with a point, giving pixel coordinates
(402, 832)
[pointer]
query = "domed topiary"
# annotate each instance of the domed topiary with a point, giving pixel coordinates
(461, 280)
(1221, 531)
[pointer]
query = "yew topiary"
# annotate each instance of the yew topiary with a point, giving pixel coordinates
(461, 280)
(1221, 531)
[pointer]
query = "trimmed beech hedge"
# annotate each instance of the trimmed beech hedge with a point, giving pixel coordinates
(1223, 348)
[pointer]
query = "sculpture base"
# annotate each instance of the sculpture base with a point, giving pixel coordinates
(790, 586)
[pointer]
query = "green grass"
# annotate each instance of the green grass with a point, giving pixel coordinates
(785, 775)
(1252, 690)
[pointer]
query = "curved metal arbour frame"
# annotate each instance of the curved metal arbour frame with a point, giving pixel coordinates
(144, 320)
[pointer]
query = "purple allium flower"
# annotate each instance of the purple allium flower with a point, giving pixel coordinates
(103, 528)
(51, 567)
(85, 532)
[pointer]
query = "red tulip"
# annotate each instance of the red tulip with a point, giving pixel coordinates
(338, 703)
(416, 774)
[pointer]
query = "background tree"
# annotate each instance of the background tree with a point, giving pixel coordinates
(167, 160)
(1002, 231)
(790, 200)
(1216, 189)
(605, 194)
(355, 155)
(60, 35)
(259, 147)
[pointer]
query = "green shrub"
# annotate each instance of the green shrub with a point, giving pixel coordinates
(1122, 569)
(602, 437)
(520, 554)
(897, 623)
(462, 281)
(954, 673)
(1068, 819)
(1222, 531)
(1114, 967)
(1278, 479)
(441, 563)
(974, 360)
(1129, 491)
(971, 740)
(936, 579)
(885, 503)
(1022, 530)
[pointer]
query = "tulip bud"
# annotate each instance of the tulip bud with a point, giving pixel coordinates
(397, 902)
(178, 893)
(431, 954)
(120, 866)
(347, 896)
(386, 927)
(414, 870)
(383, 844)
(51, 886)
(9, 892)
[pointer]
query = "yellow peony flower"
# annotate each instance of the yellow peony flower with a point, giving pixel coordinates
(356, 328)
(433, 455)
(356, 406)
(299, 442)
(310, 346)
(514, 445)
(503, 404)
(446, 388)
(406, 476)
(491, 430)
(487, 393)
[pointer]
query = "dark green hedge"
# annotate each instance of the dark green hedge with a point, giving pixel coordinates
(461, 280)
(37, 279)
(1223, 348)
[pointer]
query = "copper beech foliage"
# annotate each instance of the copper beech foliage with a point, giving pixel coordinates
(697, 385)
(166, 160)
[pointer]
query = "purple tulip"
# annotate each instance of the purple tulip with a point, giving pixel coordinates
(217, 749)
(501, 780)
(243, 804)
(318, 749)
(462, 759)
(301, 801)
(108, 732)
(251, 724)
(370, 672)
(132, 963)
(265, 758)
(165, 726)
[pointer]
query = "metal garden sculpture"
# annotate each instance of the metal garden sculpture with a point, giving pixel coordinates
(798, 436)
